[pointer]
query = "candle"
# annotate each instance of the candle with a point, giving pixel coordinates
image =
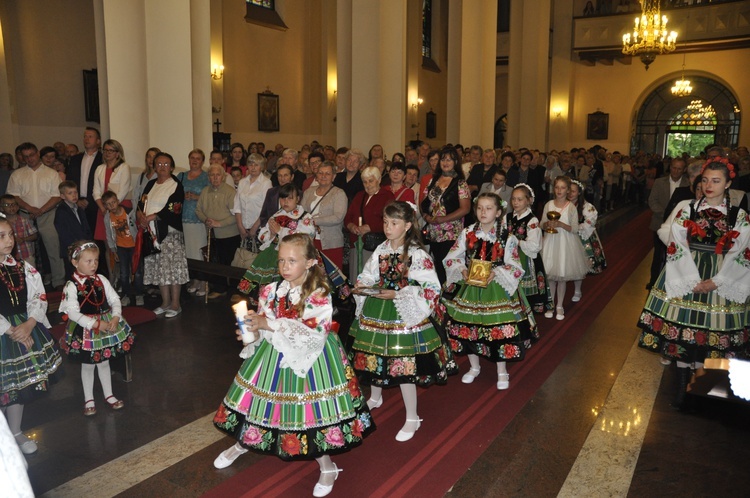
(360, 221)
(240, 312)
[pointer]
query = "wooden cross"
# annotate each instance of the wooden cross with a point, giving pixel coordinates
(217, 124)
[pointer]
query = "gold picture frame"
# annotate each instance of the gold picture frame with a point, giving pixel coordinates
(480, 273)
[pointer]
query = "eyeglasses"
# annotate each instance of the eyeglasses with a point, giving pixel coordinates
(108, 150)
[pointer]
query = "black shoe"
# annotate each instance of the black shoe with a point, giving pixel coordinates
(683, 401)
(648, 287)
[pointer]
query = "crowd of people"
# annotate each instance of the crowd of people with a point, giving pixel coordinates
(440, 252)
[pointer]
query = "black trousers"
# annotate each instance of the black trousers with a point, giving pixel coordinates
(225, 249)
(660, 259)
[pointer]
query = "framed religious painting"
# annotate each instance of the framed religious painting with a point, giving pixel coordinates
(268, 111)
(598, 126)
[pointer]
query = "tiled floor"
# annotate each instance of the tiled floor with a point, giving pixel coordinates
(181, 371)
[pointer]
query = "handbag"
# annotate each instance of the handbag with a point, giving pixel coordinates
(245, 255)
(149, 245)
(370, 240)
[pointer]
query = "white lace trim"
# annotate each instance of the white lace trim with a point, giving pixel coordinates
(504, 277)
(732, 290)
(454, 273)
(407, 304)
(680, 287)
(300, 345)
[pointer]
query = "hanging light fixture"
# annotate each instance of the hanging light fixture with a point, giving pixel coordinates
(650, 37)
(682, 86)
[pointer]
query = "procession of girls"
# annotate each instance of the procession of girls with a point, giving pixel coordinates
(297, 394)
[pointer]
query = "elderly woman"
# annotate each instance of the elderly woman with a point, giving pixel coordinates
(214, 208)
(365, 216)
(327, 204)
(251, 192)
(193, 182)
(446, 201)
(160, 212)
(350, 180)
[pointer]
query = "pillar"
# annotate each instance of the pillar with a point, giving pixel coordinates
(528, 74)
(472, 50)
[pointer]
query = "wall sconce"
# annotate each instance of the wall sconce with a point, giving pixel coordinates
(557, 112)
(415, 106)
(217, 72)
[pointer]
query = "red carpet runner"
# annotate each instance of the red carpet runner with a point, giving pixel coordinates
(460, 420)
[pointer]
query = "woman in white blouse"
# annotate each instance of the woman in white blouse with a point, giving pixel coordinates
(114, 175)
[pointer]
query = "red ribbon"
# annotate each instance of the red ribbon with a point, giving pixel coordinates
(727, 238)
(693, 229)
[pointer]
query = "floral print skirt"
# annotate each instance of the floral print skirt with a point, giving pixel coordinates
(93, 346)
(695, 326)
(489, 322)
(387, 353)
(168, 267)
(595, 253)
(534, 283)
(25, 373)
(271, 410)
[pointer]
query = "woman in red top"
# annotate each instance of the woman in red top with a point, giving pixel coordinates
(365, 215)
(400, 191)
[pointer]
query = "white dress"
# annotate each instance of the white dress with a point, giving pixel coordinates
(562, 252)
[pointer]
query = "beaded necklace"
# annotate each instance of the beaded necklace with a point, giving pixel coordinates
(90, 296)
(8, 281)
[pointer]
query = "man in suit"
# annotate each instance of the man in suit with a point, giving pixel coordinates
(661, 192)
(524, 173)
(70, 222)
(81, 171)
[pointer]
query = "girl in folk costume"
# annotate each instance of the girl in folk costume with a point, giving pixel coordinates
(395, 343)
(592, 245)
(95, 330)
(291, 218)
(562, 252)
(522, 224)
(698, 307)
(28, 356)
(488, 316)
(295, 396)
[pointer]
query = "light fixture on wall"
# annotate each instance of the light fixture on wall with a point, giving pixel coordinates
(217, 72)
(650, 37)
(557, 111)
(415, 105)
(682, 86)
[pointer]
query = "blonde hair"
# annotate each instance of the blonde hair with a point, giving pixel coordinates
(316, 280)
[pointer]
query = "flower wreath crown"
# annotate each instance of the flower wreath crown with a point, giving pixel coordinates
(580, 185)
(722, 160)
(527, 187)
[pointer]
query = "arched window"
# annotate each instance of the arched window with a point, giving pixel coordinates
(691, 129)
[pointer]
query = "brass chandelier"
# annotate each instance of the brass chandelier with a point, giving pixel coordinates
(650, 36)
(682, 86)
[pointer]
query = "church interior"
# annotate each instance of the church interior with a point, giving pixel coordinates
(589, 412)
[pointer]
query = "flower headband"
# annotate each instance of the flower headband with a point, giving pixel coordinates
(722, 160)
(527, 187)
(86, 245)
(580, 185)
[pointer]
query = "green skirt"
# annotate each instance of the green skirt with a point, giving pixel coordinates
(386, 352)
(25, 373)
(694, 327)
(489, 322)
(271, 410)
(595, 253)
(263, 271)
(534, 283)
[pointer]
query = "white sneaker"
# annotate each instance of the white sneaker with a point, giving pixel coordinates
(548, 314)
(125, 301)
(139, 301)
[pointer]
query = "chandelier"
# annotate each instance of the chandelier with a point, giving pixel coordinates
(682, 86)
(650, 37)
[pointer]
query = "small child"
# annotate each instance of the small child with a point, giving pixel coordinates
(295, 396)
(395, 342)
(24, 230)
(592, 245)
(236, 175)
(95, 330)
(562, 252)
(487, 317)
(522, 223)
(119, 224)
(70, 222)
(28, 352)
